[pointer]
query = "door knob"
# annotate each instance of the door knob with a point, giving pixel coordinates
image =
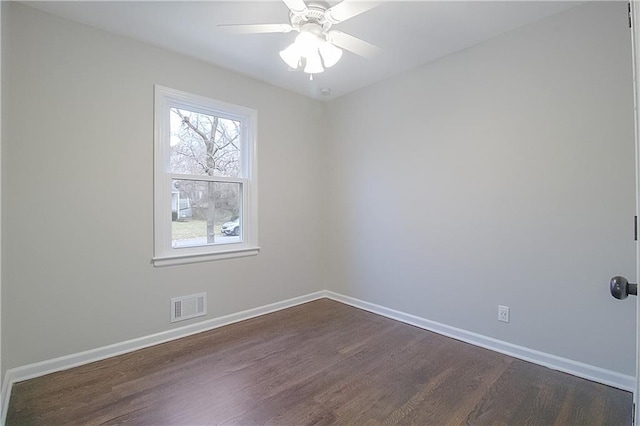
(621, 288)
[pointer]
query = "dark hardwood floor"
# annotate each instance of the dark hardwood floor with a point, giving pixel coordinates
(318, 363)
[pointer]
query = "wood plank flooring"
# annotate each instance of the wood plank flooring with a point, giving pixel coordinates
(318, 363)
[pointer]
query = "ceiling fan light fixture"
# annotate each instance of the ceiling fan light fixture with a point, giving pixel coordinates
(313, 63)
(291, 56)
(330, 54)
(307, 41)
(317, 46)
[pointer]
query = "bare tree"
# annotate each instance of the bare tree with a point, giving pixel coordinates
(206, 145)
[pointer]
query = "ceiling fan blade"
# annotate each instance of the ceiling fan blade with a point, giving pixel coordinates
(255, 28)
(352, 44)
(348, 9)
(298, 7)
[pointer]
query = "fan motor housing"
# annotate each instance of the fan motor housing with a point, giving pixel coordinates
(315, 13)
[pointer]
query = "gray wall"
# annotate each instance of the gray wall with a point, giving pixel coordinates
(78, 191)
(503, 174)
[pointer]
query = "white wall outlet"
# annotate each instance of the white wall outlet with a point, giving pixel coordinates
(503, 313)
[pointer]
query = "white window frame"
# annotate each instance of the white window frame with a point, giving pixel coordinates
(164, 253)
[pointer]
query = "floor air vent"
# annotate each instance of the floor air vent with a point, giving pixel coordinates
(185, 307)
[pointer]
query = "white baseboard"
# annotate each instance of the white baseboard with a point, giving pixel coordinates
(5, 396)
(74, 360)
(575, 368)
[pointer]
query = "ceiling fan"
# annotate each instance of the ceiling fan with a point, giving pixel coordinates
(317, 45)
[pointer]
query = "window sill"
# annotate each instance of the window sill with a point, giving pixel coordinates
(204, 257)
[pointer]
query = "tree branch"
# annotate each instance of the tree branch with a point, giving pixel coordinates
(185, 120)
(200, 163)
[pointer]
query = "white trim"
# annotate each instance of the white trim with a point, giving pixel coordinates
(554, 362)
(204, 257)
(579, 369)
(9, 379)
(635, 54)
(164, 254)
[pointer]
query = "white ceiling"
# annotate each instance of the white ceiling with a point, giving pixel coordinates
(409, 33)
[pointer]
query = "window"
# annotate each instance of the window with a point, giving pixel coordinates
(205, 192)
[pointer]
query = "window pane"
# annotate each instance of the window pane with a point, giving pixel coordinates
(204, 144)
(205, 213)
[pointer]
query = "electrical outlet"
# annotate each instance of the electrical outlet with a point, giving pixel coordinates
(503, 313)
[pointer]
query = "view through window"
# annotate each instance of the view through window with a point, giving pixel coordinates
(204, 211)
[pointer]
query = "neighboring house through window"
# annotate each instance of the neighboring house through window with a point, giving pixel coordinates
(205, 190)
